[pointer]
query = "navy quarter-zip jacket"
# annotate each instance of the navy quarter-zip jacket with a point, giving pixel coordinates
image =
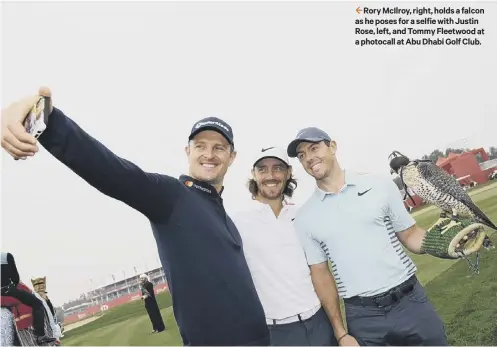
(214, 298)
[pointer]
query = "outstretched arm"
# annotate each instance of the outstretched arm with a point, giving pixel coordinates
(412, 239)
(149, 193)
(408, 233)
(153, 195)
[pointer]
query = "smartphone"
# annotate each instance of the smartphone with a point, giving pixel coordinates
(36, 121)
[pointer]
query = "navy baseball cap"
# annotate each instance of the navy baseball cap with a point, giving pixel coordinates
(310, 134)
(215, 124)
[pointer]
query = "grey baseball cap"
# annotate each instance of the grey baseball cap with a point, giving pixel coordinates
(311, 134)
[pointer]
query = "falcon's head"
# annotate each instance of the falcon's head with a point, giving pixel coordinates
(397, 161)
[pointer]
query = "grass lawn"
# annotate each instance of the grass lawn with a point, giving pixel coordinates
(466, 302)
(129, 332)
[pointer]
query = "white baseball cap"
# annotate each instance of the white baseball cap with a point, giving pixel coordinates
(272, 152)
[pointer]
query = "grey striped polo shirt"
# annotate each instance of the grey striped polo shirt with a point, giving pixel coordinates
(356, 231)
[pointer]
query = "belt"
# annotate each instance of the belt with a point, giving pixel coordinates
(387, 298)
(296, 318)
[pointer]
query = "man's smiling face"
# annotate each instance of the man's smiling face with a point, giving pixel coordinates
(271, 176)
(209, 156)
(317, 159)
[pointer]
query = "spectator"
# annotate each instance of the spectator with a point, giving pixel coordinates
(148, 296)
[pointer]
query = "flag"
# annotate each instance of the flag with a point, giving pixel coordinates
(113, 277)
(136, 272)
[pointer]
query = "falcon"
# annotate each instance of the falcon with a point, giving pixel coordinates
(435, 186)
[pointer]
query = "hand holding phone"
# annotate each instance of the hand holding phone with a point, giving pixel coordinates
(36, 121)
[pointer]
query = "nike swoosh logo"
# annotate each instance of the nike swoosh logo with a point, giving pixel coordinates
(364, 192)
(266, 149)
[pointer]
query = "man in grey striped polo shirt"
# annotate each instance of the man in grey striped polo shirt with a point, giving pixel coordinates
(359, 223)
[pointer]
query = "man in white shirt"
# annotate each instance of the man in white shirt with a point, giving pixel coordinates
(276, 258)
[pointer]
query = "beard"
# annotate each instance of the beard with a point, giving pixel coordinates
(271, 193)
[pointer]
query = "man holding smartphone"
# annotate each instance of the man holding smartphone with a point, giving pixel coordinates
(225, 308)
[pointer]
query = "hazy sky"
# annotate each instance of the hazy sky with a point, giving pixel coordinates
(136, 76)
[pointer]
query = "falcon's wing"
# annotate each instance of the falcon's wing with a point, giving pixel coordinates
(442, 180)
(450, 186)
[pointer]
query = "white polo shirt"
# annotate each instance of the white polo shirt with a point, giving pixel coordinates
(276, 260)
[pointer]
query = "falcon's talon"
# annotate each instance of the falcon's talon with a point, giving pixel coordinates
(448, 226)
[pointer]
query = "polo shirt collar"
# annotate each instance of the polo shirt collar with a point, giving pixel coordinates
(259, 206)
(200, 186)
(350, 180)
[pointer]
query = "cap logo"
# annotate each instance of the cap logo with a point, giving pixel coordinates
(266, 149)
(210, 122)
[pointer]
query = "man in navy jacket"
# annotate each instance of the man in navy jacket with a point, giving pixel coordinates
(214, 298)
